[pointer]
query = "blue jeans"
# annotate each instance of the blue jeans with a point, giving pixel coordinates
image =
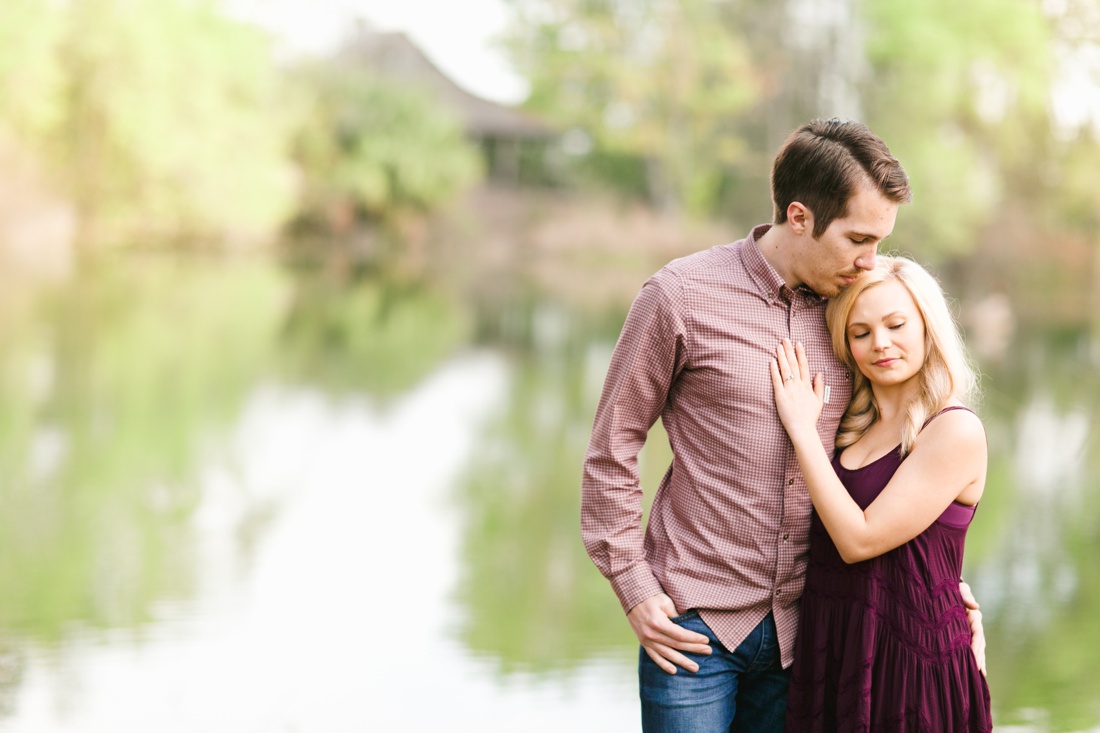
(743, 691)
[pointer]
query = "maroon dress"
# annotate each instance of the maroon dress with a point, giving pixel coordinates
(884, 644)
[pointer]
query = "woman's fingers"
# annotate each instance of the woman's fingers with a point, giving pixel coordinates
(803, 365)
(782, 363)
(777, 375)
(791, 358)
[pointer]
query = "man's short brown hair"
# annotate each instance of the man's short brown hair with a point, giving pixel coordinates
(823, 162)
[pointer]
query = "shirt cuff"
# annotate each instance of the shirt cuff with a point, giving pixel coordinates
(634, 585)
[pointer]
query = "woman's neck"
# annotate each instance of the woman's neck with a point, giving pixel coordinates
(893, 401)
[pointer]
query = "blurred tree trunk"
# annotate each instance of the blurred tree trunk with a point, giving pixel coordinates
(1077, 32)
(810, 55)
(1094, 310)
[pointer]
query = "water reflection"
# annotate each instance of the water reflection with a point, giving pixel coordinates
(1031, 558)
(112, 390)
(533, 602)
(242, 497)
(354, 335)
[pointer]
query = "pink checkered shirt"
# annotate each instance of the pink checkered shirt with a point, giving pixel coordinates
(728, 531)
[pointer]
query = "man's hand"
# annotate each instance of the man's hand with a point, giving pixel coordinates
(977, 632)
(663, 640)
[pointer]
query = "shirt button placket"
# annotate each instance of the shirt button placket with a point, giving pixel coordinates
(790, 482)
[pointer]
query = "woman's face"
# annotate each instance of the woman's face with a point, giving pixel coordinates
(886, 334)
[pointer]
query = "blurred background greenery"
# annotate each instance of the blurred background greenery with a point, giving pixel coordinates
(299, 351)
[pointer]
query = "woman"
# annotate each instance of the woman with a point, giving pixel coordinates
(883, 641)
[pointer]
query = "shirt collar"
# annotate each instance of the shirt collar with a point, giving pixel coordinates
(769, 282)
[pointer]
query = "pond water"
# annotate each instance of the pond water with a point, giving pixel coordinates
(242, 497)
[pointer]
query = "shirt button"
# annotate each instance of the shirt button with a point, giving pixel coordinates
(785, 536)
(790, 482)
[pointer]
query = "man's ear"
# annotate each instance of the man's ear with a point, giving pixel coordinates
(801, 218)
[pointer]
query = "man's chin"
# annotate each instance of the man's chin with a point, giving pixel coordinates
(828, 290)
(840, 285)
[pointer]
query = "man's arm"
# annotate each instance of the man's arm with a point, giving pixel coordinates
(644, 365)
(977, 631)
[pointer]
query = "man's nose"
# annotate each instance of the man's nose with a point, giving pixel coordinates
(866, 261)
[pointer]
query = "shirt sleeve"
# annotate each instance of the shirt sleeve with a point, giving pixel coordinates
(647, 358)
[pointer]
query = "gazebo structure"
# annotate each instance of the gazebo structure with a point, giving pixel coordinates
(514, 142)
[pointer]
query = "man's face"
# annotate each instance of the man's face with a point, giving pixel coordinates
(829, 264)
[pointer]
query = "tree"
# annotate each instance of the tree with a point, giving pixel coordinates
(706, 91)
(170, 125)
(371, 150)
(156, 119)
(655, 81)
(961, 94)
(1077, 33)
(30, 75)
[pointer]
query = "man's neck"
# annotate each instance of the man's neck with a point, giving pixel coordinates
(777, 248)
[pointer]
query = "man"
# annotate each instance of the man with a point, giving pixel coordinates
(728, 532)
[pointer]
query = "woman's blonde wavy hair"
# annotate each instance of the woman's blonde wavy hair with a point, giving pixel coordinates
(946, 372)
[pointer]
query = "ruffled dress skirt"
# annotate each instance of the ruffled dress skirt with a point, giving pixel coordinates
(884, 644)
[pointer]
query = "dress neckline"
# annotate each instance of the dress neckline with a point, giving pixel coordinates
(897, 448)
(894, 452)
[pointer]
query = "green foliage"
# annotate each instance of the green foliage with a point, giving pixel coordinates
(1079, 197)
(375, 148)
(703, 92)
(169, 120)
(170, 124)
(159, 118)
(30, 73)
(960, 93)
(661, 81)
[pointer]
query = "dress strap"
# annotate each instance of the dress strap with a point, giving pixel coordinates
(946, 409)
